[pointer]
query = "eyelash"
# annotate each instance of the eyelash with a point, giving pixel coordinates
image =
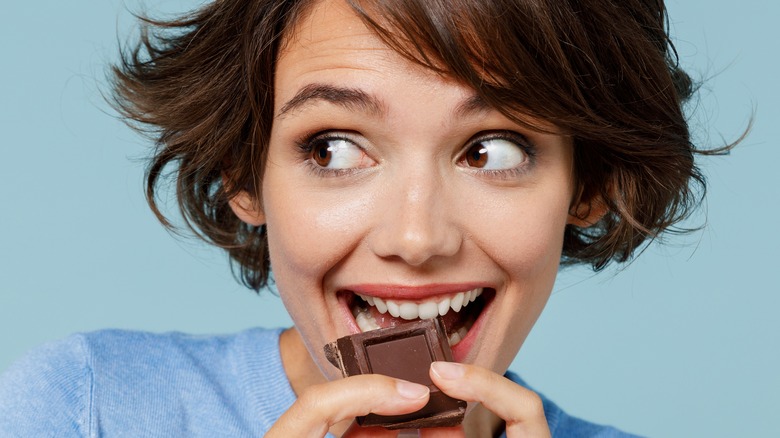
(308, 141)
(306, 146)
(522, 142)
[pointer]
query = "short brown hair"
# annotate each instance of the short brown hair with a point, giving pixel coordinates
(604, 72)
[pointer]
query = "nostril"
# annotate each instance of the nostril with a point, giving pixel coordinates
(417, 246)
(416, 228)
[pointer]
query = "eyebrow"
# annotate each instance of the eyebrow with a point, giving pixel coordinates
(473, 105)
(357, 99)
(349, 98)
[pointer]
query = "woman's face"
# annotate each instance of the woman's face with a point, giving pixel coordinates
(388, 180)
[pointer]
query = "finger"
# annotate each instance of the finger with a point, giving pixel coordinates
(520, 408)
(324, 405)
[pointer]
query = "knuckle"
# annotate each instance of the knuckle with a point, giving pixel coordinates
(534, 404)
(330, 398)
(311, 398)
(489, 381)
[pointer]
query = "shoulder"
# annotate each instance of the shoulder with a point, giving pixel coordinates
(563, 425)
(47, 392)
(134, 382)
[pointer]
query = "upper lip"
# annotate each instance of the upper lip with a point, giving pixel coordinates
(411, 293)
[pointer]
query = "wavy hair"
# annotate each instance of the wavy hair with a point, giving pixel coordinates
(603, 71)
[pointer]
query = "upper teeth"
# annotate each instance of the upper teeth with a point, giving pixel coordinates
(425, 309)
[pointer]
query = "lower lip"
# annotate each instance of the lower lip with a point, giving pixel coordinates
(347, 313)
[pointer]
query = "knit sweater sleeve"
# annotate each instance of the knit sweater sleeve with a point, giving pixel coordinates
(48, 392)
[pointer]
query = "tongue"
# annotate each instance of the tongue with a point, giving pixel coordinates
(384, 320)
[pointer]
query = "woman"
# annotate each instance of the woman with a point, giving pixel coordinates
(386, 159)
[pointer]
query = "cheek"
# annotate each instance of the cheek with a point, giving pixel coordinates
(524, 237)
(522, 232)
(309, 232)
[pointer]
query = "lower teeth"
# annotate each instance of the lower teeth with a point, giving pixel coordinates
(365, 321)
(457, 336)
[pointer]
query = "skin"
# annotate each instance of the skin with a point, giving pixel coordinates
(406, 214)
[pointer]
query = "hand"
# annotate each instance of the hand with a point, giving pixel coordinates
(321, 406)
(520, 408)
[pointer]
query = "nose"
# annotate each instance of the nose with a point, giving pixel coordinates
(417, 223)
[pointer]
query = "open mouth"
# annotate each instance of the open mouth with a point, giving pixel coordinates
(459, 311)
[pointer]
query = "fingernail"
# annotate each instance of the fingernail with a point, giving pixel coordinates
(410, 390)
(448, 370)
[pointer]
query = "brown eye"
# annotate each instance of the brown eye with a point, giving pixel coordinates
(321, 154)
(338, 153)
(477, 156)
(495, 154)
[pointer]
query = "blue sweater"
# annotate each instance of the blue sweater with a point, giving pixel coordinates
(118, 383)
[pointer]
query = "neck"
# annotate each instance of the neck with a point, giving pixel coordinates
(301, 370)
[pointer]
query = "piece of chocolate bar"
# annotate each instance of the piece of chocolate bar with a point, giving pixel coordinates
(404, 352)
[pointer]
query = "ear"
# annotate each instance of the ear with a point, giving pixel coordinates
(246, 207)
(587, 213)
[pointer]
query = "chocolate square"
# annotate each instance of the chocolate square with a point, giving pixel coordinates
(404, 352)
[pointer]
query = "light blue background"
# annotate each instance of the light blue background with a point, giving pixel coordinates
(683, 342)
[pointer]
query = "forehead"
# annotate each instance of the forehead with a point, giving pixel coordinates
(328, 37)
(330, 42)
(331, 45)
